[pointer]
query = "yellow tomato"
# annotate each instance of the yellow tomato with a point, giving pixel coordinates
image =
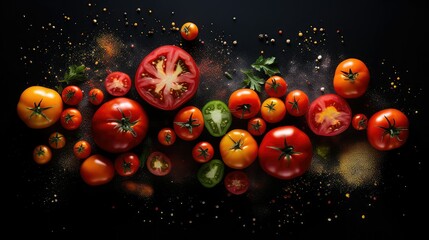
(39, 107)
(238, 149)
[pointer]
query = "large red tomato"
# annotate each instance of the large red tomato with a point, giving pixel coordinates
(285, 152)
(119, 125)
(351, 78)
(167, 77)
(329, 115)
(388, 129)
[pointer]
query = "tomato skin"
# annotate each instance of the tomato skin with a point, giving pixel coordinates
(82, 149)
(280, 143)
(119, 125)
(57, 140)
(202, 152)
(351, 78)
(217, 117)
(388, 129)
(273, 110)
(297, 103)
(329, 115)
(127, 164)
(117, 83)
(167, 77)
(72, 95)
(97, 170)
(189, 123)
(360, 121)
(42, 154)
(96, 96)
(166, 136)
(275, 86)
(39, 107)
(238, 149)
(236, 182)
(158, 164)
(256, 126)
(211, 173)
(244, 103)
(71, 118)
(189, 31)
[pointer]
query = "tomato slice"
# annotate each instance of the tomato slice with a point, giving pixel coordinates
(158, 164)
(211, 173)
(329, 115)
(236, 182)
(217, 117)
(117, 84)
(167, 77)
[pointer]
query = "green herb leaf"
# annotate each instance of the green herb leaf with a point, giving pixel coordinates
(252, 81)
(74, 75)
(228, 75)
(268, 65)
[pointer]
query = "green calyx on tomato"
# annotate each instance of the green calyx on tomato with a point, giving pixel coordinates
(38, 110)
(392, 130)
(211, 173)
(125, 124)
(285, 152)
(350, 76)
(243, 108)
(188, 124)
(217, 117)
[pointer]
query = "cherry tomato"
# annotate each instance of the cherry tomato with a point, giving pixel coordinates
(285, 152)
(189, 31)
(57, 140)
(236, 182)
(96, 96)
(211, 173)
(297, 103)
(167, 77)
(202, 152)
(82, 149)
(166, 136)
(273, 110)
(275, 86)
(244, 103)
(127, 164)
(71, 118)
(117, 84)
(388, 129)
(72, 95)
(217, 117)
(359, 121)
(42, 154)
(256, 126)
(189, 123)
(97, 170)
(329, 115)
(39, 107)
(158, 164)
(238, 149)
(351, 78)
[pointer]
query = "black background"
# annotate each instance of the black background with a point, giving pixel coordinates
(392, 31)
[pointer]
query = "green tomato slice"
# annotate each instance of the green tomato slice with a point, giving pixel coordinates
(217, 117)
(211, 173)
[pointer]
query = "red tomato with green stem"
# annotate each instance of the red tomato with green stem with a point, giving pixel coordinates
(244, 103)
(256, 126)
(238, 149)
(119, 125)
(236, 182)
(71, 118)
(72, 95)
(57, 140)
(360, 121)
(273, 110)
(127, 164)
(167, 77)
(158, 164)
(117, 84)
(285, 152)
(189, 123)
(189, 31)
(388, 129)
(97, 170)
(82, 149)
(275, 86)
(351, 78)
(96, 96)
(202, 152)
(297, 103)
(166, 136)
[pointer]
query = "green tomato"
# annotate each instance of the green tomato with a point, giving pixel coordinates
(217, 117)
(211, 173)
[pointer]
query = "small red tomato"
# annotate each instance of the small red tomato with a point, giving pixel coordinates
(297, 103)
(42, 154)
(72, 95)
(203, 152)
(256, 126)
(166, 136)
(117, 84)
(127, 164)
(57, 140)
(82, 149)
(71, 118)
(236, 182)
(359, 121)
(189, 123)
(275, 86)
(96, 96)
(189, 31)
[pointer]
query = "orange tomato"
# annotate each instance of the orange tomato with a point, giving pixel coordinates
(57, 140)
(82, 149)
(238, 149)
(42, 154)
(97, 170)
(351, 78)
(189, 31)
(273, 110)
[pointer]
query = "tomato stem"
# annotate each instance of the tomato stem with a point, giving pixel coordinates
(295, 104)
(38, 110)
(125, 125)
(351, 76)
(392, 130)
(203, 152)
(286, 152)
(237, 144)
(243, 108)
(188, 124)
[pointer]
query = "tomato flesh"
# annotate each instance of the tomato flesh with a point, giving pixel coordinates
(158, 164)
(217, 117)
(236, 182)
(211, 173)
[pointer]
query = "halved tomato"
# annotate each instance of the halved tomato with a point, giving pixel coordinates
(158, 164)
(236, 182)
(117, 84)
(167, 77)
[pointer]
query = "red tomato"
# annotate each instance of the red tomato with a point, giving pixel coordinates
(359, 121)
(285, 152)
(388, 129)
(189, 31)
(119, 125)
(82, 149)
(96, 96)
(167, 77)
(57, 140)
(351, 78)
(329, 115)
(72, 95)
(273, 110)
(256, 126)
(117, 84)
(189, 123)
(71, 118)
(127, 164)
(166, 136)
(236, 182)
(297, 103)
(97, 170)
(42, 154)
(275, 86)
(244, 103)
(238, 149)
(158, 164)
(203, 152)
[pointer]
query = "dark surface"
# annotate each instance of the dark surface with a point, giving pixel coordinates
(386, 35)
